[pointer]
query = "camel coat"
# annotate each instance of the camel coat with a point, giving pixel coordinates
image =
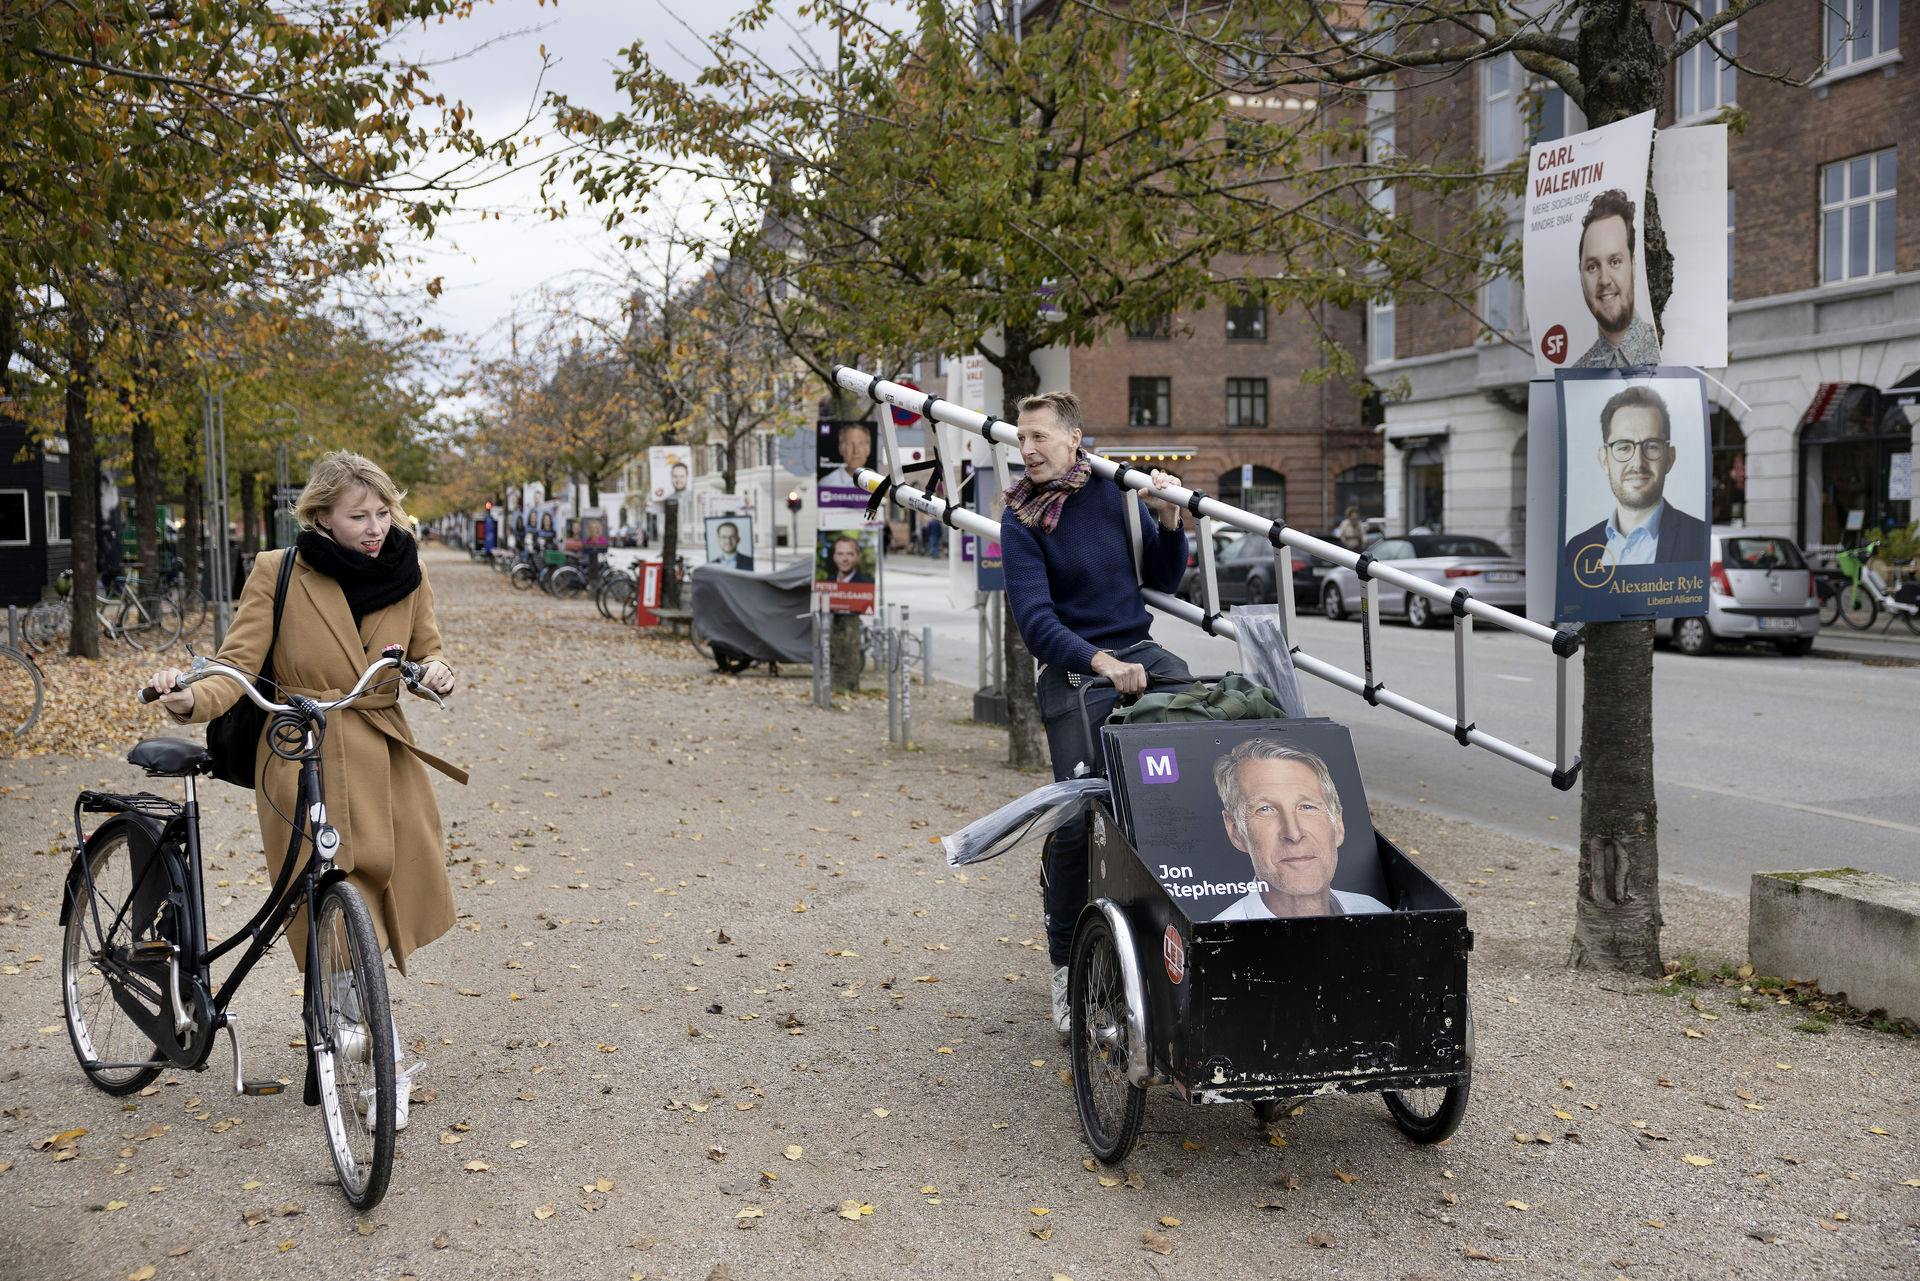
(374, 778)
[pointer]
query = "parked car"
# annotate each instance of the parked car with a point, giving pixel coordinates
(1449, 561)
(1243, 566)
(1759, 589)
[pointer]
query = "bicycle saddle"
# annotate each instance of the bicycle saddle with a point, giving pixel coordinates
(170, 758)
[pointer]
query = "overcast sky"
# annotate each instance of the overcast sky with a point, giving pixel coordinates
(495, 67)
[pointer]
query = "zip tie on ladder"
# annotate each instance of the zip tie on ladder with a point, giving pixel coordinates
(1361, 567)
(1564, 779)
(1207, 621)
(1120, 471)
(986, 428)
(1273, 534)
(1460, 598)
(1461, 731)
(878, 497)
(1194, 499)
(1371, 692)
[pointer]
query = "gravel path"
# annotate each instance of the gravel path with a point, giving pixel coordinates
(716, 1008)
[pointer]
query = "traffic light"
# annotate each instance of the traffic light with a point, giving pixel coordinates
(793, 500)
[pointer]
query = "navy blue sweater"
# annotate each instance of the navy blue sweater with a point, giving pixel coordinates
(1072, 592)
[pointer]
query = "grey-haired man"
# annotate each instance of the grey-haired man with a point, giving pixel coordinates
(1281, 810)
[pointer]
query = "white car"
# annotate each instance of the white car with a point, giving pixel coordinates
(1759, 588)
(1448, 561)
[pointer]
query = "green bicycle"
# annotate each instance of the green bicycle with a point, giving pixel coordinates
(1865, 593)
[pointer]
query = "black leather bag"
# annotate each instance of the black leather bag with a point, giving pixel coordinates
(233, 737)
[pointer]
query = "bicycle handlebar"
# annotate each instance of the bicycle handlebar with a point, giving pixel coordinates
(204, 667)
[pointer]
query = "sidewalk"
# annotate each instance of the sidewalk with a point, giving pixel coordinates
(715, 1008)
(1894, 644)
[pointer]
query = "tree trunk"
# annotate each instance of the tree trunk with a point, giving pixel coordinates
(1617, 914)
(249, 514)
(1617, 924)
(263, 485)
(844, 653)
(83, 492)
(1026, 733)
(669, 551)
(146, 496)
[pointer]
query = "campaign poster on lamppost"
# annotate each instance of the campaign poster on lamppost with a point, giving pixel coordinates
(730, 541)
(1635, 478)
(670, 473)
(845, 562)
(1584, 225)
(844, 448)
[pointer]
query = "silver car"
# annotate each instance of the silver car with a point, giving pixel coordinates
(1759, 588)
(1448, 561)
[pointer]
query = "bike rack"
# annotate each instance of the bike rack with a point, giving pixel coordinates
(1563, 770)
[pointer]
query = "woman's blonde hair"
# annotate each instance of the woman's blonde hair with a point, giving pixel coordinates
(334, 475)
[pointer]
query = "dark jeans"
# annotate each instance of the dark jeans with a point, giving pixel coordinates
(1063, 867)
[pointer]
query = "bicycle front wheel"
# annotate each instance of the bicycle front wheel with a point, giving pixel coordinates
(522, 577)
(22, 693)
(350, 1032)
(1858, 609)
(568, 582)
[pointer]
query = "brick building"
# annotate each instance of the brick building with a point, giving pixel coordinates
(1818, 400)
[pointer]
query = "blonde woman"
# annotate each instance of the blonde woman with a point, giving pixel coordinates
(356, 588)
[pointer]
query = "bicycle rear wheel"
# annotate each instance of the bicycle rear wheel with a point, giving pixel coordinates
(350, 1030)
(22, 693)
(1858, 609)
(47, 623)
(568, 582)
(522, 576)
(106, 926)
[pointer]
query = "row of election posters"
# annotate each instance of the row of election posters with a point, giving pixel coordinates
(846, 559)
(1618, 424)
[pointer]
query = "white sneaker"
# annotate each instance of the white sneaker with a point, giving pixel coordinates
(1062, 1012)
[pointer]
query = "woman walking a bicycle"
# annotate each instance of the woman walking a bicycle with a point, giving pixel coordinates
(356, 587)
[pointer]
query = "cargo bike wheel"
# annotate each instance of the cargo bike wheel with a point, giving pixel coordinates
(1104, 1027)
(1428, 1116)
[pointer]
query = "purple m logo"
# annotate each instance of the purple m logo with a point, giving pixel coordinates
(1159, 765)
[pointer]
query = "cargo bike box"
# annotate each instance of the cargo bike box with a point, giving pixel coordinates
(1183, 976)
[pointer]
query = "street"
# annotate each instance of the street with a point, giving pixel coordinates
(1763, 763)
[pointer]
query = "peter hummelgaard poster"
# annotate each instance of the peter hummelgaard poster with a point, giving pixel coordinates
(1634, 494)
(1584, 224)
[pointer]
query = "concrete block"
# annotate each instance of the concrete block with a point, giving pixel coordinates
(1849, 931)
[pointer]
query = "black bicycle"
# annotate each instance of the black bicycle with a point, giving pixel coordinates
(136, 967)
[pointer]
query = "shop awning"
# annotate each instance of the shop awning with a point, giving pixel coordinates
(1149, 453)
(1416, 435)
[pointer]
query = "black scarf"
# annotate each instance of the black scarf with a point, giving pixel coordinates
(369, 582)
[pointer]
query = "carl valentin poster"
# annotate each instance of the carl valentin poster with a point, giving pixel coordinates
(1633, 530)
(1586, 281)
(1181, 828)
(1588, 304)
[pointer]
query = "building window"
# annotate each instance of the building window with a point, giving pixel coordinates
(14, 529)
(1149, 402)
(1856, 218)
(1500, 111)
(1246, 402)
(1382, 145)
(1247, 321)
(1703, 79)
(1160, 326)
(1859, 31)
(59, 518)
(1501, 302)
(1554, 114)
(1729, 445)
(1380, 330)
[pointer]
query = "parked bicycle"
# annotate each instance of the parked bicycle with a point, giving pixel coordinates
(23, 693)
(1858, 599)
(142, 619)
(136, 963)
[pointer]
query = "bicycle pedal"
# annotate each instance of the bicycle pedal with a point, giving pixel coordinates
(152, 948)
(262, 1089)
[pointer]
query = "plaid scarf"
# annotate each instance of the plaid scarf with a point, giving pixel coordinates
(1039, 506)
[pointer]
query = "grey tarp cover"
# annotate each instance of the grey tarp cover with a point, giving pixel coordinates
(764, 616)
(1019, 821)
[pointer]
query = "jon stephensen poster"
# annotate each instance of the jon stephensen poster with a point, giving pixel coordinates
(1635, 479)
(843, 449)
(1251, 820)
